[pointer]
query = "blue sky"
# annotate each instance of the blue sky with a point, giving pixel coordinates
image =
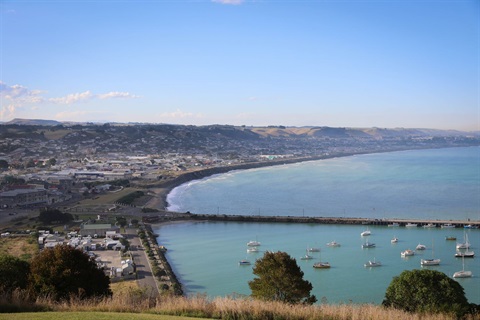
(356, 63)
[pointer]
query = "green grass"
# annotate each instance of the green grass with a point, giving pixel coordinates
(87, 315)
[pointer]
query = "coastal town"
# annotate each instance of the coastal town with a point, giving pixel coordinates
(113, 179)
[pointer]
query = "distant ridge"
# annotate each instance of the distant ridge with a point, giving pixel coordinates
(33, 122)
(322, 132)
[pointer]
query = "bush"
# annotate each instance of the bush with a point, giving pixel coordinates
(428, 291)
(14, 273)
(63, 271)
(280, 279)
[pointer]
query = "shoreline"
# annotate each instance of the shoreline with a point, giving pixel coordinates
(163, 189)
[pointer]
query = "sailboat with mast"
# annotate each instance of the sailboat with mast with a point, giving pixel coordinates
(430, 262)
(463, 273)
(467, 253)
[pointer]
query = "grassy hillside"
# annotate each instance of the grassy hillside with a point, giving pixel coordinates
(137, 306)
(21, 247)
(88, 315)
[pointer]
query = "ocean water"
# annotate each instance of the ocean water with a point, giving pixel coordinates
(430, 184)
(205, 255)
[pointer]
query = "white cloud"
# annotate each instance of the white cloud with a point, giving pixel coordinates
(73, 98)
(116, 94)
(17, 96)
(234, 2)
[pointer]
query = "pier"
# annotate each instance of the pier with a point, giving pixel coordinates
(314, 220)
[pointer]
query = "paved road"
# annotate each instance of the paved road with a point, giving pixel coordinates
(144, 272)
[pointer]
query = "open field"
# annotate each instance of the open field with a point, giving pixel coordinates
(55, 135)
(23, 247)
(88, 315)
(109, 197)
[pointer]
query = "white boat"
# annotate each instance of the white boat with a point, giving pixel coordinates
(464, 254)
(321, 265)
(430, 225)
(407, 253)
(366, 233)
(373, 263)
(313, 249)
(447, 225)
(253, 243)
(252, 249)
(368, 245)
(333, 244)
(463, 273)
(411, 225)
(394, 224)
(394, 240)
(421, 247)
(462, 245)
(465, 244)
(306, 257)
(430, 262)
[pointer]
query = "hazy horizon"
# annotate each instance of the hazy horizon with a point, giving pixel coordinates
(356, 64)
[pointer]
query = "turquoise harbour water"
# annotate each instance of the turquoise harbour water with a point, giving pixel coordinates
(424, 184)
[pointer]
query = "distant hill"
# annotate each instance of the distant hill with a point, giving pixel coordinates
(375, 133)
(252, 132)
(34, 122)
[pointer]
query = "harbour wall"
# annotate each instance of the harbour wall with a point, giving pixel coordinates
(169, 216)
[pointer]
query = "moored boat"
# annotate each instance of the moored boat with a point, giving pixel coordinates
(465, 244)
(366, 233)
(421, 247)
(430, 262)
(411, 225)
(464, 254)
(253, 243)
(450, 238)
(368, 245)
(373, 263)
(393, 224)
(430, 225)
(463, 273)
(407, 253)
(394, 240)
(333, 244)
(321, 265)
(447, 225)
(244, 262)
(306, 257)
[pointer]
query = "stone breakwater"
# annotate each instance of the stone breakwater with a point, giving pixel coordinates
(314, 220)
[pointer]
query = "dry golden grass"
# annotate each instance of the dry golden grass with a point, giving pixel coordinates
(230, 308)
(125, 287)
(23, 247)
